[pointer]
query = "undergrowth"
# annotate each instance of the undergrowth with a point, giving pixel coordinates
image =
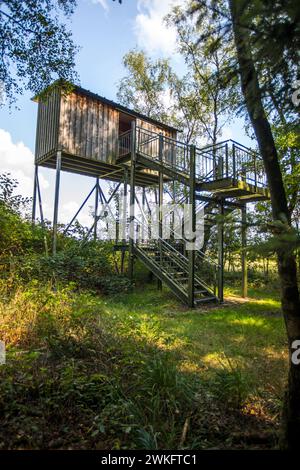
(84, 371)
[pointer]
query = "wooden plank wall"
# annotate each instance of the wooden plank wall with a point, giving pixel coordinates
(47, 125)
(154, 128)
(88, 128)
(83, 126)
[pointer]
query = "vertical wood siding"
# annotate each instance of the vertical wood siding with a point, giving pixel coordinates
(47, 125)
(82, 125)
(154, 128)
(88, 128)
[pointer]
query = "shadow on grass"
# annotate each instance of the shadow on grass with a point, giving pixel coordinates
(133, 372)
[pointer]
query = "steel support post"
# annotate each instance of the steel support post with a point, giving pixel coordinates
(132, 200)
(124, 208)
(96, 208)
(56, 201)
(40, 200)
(34, 194)
(244, 253)
(192, 224)
(221, 251)
(160, 204)
(143, 207)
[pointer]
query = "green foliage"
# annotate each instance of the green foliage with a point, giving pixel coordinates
(36, 45)
(146, 84)
(129, 372)
(17, 236)
(230, 384)
(24, 251)
(203, 93)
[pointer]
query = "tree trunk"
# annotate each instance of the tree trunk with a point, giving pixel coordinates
(286, 259)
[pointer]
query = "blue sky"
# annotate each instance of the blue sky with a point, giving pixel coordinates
(105, 31)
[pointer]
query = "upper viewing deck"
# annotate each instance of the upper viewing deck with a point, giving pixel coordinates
(228, 168)
(95, 138)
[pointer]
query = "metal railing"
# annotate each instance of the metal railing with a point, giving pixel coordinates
(227, 159)
(124, 143)
(207, 271)
(170, 152)
(230, 159)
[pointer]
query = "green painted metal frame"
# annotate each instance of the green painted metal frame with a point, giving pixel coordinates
(161, 171)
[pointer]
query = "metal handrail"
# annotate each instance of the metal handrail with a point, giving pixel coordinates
(226, 159)
(124, 143)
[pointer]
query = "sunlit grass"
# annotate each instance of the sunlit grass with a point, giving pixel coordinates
(133, 366)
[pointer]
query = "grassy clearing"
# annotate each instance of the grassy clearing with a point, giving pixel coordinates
(135, 370)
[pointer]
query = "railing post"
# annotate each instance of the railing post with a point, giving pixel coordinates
(233, 162)
(221, 251)
(56, 201)
(160, 202)
(132, 200)
(226, 159)
(192, 222)
(244, 254)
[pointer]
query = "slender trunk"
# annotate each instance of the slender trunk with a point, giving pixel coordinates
(286, 259)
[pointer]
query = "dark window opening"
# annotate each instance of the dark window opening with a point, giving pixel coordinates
(125, 121)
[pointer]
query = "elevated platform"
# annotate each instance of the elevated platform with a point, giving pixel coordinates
(226, 170)
(238, 189)
(85, 134)
(88, 167)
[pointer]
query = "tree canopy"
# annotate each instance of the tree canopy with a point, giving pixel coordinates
(36, 45)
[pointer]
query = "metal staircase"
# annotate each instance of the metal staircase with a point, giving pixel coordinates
(171, 266)
(226, 175)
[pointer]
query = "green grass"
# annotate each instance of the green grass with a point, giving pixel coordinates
(132, 370)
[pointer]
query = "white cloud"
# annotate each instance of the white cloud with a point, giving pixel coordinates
(102, 3)
(18, 160)
(151, 32)
(69, 209)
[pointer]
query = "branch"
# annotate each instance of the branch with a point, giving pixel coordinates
(11, 18)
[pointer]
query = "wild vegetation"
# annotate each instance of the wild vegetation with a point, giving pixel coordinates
(135, 370)
(93, 364)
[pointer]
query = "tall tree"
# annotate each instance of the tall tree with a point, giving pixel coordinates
(145, 87)
(252, 26)
(211, 101)
(36, 46)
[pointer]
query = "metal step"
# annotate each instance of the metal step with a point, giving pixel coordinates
(210, 298)
(172, 268)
